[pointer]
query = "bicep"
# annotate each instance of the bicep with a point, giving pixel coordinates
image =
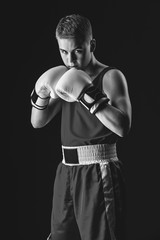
(115, 86)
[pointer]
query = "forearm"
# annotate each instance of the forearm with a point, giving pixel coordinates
(39, 118)
(114, 119)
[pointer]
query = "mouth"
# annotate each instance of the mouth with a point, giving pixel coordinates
(69, 67)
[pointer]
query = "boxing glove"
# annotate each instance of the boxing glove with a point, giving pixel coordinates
(76, 85)
(48, 81)
(45, 87)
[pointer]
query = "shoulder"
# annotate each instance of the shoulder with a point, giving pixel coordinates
(114, 75)
(114, 81)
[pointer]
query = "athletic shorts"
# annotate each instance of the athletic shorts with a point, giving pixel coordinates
(88, 195)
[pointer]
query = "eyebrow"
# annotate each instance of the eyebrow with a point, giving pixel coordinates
(78, 47)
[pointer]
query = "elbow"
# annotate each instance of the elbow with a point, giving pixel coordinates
(123, 132)
(124, 128)
(34, 125)
(37, 124)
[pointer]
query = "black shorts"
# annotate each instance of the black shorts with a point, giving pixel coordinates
(88, 202)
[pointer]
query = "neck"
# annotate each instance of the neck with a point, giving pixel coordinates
(93, 66)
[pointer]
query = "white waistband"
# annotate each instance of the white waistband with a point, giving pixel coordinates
(91, 154)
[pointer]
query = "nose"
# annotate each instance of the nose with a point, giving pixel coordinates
(71, 59)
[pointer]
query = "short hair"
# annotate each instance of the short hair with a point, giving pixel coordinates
(74, 26)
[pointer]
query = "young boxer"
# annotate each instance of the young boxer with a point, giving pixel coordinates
(95, 112)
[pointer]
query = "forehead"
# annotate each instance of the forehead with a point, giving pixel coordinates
(70, 43)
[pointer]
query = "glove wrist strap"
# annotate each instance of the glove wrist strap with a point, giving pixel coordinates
(39, 102)
(99, 105)
(92, 98)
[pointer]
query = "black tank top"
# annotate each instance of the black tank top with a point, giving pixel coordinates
(80, 127)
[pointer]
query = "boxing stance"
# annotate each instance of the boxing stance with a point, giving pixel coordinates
(95, 111)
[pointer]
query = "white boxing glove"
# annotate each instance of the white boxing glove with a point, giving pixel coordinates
(45, 85)
(71, 84)
(76, 85)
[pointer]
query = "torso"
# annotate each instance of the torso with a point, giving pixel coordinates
(79, 127)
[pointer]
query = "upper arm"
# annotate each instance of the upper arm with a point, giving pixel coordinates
(115, 86)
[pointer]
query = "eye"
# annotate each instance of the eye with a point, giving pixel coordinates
(63, 51)
(79, 51)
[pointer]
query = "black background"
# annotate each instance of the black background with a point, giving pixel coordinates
(127, 37)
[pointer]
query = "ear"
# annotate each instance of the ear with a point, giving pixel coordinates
(92, 45)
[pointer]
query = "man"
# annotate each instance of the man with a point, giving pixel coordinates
(96, 111)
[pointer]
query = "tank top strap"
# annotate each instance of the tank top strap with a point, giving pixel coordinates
(97, 81)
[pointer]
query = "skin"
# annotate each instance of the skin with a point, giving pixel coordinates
(116, 116)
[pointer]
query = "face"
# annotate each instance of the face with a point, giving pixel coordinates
(74, 53)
